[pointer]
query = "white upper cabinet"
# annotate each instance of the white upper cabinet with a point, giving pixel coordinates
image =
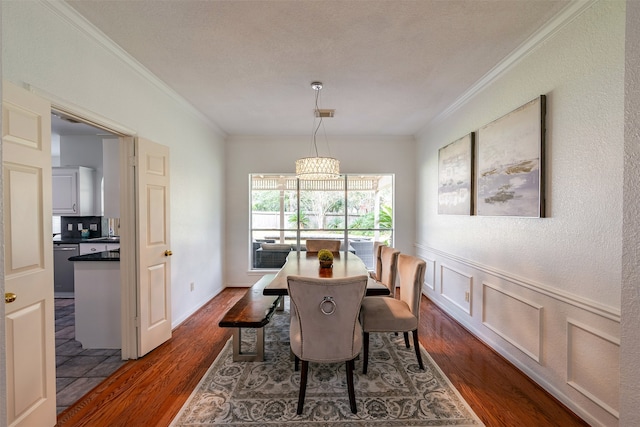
(73, 193)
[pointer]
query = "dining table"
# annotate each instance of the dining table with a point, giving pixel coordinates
(345, 264)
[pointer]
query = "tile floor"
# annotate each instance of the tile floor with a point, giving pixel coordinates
(77, 370)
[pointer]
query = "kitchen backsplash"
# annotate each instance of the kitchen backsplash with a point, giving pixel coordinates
(95, 225)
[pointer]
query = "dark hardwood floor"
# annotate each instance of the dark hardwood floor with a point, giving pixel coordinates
(150, 391)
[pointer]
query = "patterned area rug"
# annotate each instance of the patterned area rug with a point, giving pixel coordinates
(395, 392)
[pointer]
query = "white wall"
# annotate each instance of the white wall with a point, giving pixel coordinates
(545, 293)
(47, 47)
(247, 155)
(630, 342)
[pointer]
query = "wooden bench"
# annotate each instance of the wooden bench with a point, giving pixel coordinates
(253, 310)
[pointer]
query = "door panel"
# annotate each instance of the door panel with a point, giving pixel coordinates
(24, 222)
(154, 296)
(26, 374)
(29, 320)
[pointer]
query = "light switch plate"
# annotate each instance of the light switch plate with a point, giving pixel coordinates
(79, 227)
(69, 227)
(93, 227)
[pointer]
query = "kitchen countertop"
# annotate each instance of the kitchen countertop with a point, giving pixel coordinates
(98, 256)
(105, 239)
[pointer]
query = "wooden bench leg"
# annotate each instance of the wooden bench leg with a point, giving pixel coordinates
(239, 355)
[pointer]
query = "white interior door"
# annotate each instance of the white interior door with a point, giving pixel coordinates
(29, 319)
(154, 269)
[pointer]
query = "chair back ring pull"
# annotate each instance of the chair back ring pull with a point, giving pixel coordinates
(332, 307)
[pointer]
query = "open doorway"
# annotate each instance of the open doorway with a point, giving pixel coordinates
(86, 221)
(145, 297)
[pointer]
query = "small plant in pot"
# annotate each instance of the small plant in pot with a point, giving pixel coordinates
(326, 258)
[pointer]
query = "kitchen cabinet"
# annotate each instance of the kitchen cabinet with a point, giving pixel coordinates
(90, 248)
(73, 193)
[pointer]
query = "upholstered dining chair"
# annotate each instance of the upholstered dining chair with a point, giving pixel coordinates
(325, 326)
(384, 314)
(314, 245)
(387, 265)
(377, 246)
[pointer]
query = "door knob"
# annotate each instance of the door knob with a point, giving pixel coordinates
(9, 297)
(168, 253)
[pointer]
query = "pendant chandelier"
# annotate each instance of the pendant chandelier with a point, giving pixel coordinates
(317, 167)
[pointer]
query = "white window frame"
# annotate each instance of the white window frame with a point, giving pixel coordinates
(288, 182)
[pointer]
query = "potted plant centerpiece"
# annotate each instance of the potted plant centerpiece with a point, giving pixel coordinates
(326, 258)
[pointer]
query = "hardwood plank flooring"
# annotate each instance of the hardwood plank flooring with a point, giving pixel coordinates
(150, 391)
(499, 393)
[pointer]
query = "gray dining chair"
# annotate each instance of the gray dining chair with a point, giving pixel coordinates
(325, 326)
(384, 314)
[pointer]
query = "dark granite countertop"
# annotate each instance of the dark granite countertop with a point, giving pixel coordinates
(98, 256)
(69, 240)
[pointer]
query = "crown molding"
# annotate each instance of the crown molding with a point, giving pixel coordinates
(553, 26)
(74, 18)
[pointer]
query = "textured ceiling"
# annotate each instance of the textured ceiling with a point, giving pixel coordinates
(388, 67)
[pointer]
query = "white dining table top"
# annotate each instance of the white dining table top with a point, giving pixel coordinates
(307, 265)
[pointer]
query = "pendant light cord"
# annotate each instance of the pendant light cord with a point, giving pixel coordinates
(317, 168)
(315, 132)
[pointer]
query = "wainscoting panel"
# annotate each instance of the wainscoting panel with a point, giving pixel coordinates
(456, 287)
(593, 366)
(566, 343)
(513, 318)
(430, 274)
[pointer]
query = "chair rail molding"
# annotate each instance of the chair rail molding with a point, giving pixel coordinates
(602, 310)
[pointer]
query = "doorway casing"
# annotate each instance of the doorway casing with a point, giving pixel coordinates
(128, 261)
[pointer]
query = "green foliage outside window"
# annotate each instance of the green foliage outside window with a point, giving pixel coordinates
(304, 220)
(336, 223)
(367, 221)
(265, 201)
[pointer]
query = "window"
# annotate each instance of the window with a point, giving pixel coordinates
(285, 212)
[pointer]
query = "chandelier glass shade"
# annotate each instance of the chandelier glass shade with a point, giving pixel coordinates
(317, 167)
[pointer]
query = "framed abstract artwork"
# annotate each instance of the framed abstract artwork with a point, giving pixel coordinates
(510, 163)
(455, 174)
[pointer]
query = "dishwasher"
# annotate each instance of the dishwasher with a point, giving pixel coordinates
(63, 283)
